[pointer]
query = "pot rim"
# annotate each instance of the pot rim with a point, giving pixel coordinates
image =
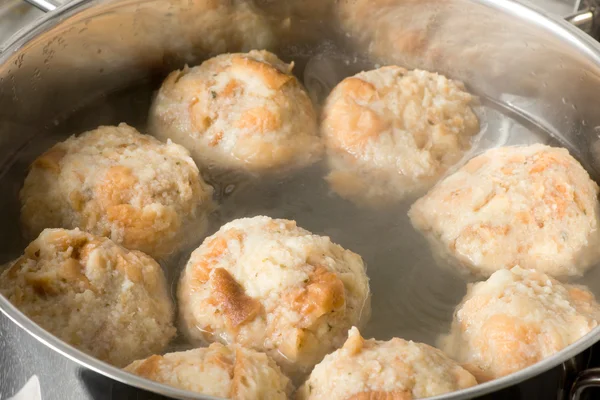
(529, 13)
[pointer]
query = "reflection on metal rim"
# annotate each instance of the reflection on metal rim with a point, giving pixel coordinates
(88, 361)
(44, 5)
(560, 29)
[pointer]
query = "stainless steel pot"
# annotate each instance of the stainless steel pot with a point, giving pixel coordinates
(545, 72)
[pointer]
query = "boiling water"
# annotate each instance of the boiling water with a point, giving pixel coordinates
(413, 297)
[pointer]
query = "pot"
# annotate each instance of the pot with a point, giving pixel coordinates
(541, 72)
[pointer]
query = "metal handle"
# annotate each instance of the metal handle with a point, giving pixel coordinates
(583, 19)
(44, 5)
(585, 380)
(586, 16)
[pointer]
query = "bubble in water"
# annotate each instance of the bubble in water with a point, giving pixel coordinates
(229, 189)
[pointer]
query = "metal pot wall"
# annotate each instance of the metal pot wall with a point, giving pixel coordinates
(546, 72)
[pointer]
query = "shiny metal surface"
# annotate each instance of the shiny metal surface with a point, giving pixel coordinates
(87, 50)
(22, 357)
(14, 15)
(90, 363)
(44, 5)
(587, 380)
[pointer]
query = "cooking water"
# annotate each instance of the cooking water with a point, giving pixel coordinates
(413, 297)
